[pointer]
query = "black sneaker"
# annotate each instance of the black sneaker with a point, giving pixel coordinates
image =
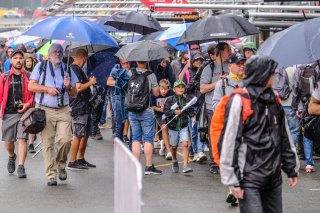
(21, 172)
(52, 182)
(62, 174)
(12, 164)
(151, 170)
(126, 140)
(85, 163)
(214, 169)
(231, 199)
(31, 149)
(75, 166)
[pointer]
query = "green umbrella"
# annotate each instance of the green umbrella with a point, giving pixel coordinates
(44, 49)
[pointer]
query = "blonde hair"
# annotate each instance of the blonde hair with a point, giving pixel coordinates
(164, 83)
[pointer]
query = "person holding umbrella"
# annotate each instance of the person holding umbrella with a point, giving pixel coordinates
(208, 81)
(53, 86)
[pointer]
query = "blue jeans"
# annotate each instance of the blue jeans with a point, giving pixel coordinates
(104, 111)
(119, 120)
(308, 151)
(197, 144)
(293, 123)
(142, 125)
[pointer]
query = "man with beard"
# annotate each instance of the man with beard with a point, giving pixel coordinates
(53, 85)
(15, 99)
(256, 142)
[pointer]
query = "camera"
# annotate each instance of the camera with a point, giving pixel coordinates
(60, 96)
(18, 105)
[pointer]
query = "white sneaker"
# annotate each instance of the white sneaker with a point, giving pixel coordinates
(169, 156)
(156, 145)
(162, 150)
(202, 157)
(206, 148)
(195, 157)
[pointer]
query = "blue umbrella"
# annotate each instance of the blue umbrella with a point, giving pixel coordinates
(73, 29)
(173, 34)
(298, 44)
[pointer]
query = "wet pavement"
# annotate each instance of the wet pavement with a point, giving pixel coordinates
(92, 190)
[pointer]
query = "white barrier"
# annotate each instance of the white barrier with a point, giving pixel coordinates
(127, 180)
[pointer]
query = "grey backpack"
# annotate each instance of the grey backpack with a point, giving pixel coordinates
(281, 84)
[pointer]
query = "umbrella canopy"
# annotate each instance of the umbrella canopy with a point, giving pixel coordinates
(173, 34)
(91, 49)
(150, 36)
(144, 51)
(107, 28)
(131, 39)
(73, 29)
(133, 21)
(298, 44)
(222, 27)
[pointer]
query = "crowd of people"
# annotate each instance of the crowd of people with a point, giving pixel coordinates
(260, 130)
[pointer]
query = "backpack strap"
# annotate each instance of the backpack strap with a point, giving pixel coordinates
(212, 68)
(43, 69)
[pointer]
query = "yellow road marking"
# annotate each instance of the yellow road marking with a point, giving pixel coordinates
(169, 164)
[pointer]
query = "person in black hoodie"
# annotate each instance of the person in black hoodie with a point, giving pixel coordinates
(254, 151)
(163, 70)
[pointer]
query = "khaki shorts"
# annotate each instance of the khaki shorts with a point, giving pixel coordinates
(12, 128)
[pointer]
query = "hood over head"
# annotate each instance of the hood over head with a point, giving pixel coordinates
(155, 64)
(258, 70)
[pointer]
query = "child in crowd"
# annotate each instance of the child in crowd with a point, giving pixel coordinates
(178, 127)
(158, 106)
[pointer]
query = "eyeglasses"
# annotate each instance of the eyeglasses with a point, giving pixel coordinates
(57, 52)
(199, 59)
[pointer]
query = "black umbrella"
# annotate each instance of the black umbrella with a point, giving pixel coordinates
(213, 28)
(144, 51)
(133, 21)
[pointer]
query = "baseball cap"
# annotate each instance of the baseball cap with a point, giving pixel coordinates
(17, 52)
(235, 58)
(179, 82)
(30, 49)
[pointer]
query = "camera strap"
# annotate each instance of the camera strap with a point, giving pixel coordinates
(13, 85)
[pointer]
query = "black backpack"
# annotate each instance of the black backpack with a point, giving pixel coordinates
(138, 94)
(307, 81)
(281, 84)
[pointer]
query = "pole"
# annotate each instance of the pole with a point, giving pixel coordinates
(239, 7)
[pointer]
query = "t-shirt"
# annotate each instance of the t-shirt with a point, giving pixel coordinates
(15, 94)
(80, 104)
(152, 78)
(207, 77)
(159, 101)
